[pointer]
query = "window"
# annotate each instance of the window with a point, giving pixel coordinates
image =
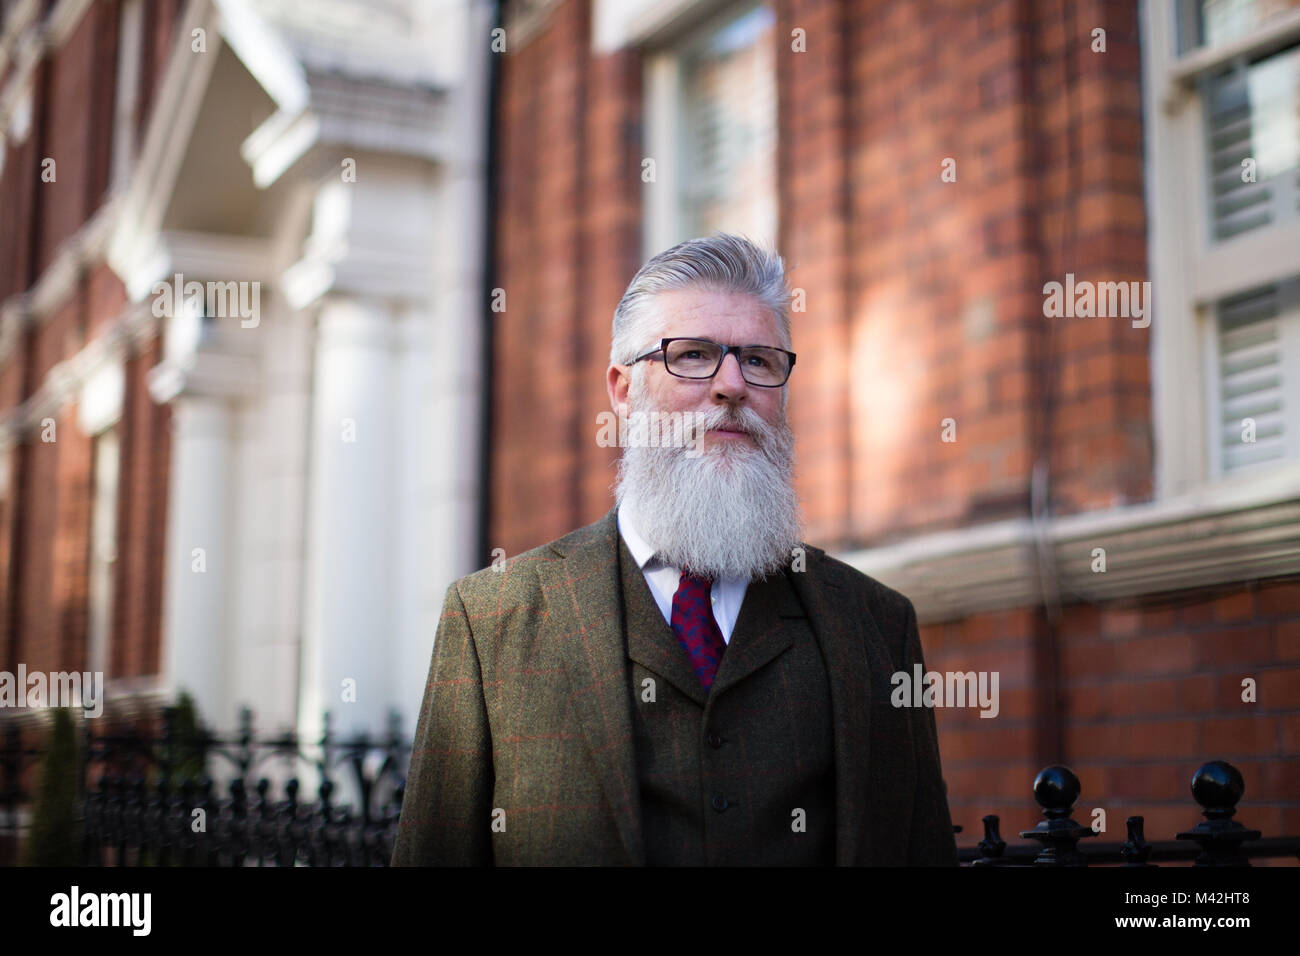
(1258, 341)
(103, 547)
(1215, 22)
(711, 130)
(1223, 136)
(1252, 122)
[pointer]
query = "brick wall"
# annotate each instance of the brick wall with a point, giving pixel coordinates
(924, 297)
(76, 129)
(568, 242)
(924, 302)
(45, 511)
(1147, 691)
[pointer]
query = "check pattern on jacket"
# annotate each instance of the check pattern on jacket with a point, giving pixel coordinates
(524, 749)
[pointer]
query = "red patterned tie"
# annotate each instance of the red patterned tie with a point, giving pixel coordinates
(696, 629)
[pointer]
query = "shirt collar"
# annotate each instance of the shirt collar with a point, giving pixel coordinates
(641, 550)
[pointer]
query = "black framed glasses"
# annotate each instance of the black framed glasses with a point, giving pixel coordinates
(760, 365)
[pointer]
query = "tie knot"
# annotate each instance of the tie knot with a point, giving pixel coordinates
(695, 580)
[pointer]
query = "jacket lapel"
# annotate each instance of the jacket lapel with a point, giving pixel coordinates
(650, 640)
(584, 619)
(843, 636)
(758, 635)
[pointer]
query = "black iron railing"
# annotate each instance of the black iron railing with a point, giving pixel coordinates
(146, 799)
(1218, 840)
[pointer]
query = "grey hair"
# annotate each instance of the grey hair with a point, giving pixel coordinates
(722, 262)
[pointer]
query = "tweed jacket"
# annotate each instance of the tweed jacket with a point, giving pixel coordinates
(523, 753)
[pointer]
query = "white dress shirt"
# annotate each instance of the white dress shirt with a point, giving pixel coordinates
(726, 594)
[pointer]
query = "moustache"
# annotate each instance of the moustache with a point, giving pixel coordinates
(742, 420)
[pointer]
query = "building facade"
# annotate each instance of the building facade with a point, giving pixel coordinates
(240, 442)
(1097, 502)
(1047, 318)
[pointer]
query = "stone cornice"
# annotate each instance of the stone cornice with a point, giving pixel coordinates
(203, 256)
(206, 374)
(1240, 529)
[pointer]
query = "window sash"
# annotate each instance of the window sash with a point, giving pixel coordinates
(716, 167)
(1193, 25)
(1253, 347)
(1251, 113)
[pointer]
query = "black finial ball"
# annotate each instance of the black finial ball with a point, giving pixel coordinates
(1217, 784)
(1056, 788)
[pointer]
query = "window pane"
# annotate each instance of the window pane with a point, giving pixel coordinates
(1254, 329)
(1224, 20)
(1253, 124)
(728, 115)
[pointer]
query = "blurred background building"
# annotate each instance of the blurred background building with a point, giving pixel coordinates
(256, 508)
(441, 203)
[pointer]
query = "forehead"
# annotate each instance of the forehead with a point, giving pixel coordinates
(732, 318)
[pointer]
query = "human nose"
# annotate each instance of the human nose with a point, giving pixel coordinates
(729, 384)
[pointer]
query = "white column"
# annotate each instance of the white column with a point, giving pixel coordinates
(199, 562)
(422, 545)
(348, 613)
(271, 462)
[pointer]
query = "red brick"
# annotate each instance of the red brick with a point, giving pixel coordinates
(1227, 738)
(1290, 825)
(1149, 698)
(1279, 688)
(1277, 599)
(1120, 622)
(1281, 781)
(1234, 649)
(1286, 640)
(1162, 738)
(1089, 701)
(1290, 734)
(1157, 620)
(1210, 694)
(1158, 781)
(1234, 607)
(1095, 741)
(1170, 654)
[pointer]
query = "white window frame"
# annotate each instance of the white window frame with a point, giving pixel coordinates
(662, 225)
(1190, 271)
(617, 24)
(103, 545)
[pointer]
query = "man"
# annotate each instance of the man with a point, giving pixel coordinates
(682, 682)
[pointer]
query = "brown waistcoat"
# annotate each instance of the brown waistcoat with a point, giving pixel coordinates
(743, 774)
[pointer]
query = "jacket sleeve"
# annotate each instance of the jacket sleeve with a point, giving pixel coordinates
(446, 811)
(931, 841)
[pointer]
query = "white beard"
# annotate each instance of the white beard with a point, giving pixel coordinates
(728, 512)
